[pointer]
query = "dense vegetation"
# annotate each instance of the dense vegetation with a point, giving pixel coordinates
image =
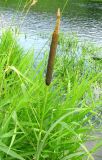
(40, 122)
(52, 6)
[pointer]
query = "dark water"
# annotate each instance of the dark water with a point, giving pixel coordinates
(79, 16)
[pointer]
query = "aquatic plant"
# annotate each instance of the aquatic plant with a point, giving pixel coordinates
(39, 122)
(53, 48)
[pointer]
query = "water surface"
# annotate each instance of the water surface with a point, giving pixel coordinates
(79, 16)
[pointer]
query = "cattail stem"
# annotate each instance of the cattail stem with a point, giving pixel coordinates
(53, 48)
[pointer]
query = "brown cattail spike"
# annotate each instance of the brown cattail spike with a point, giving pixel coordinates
(53, 48)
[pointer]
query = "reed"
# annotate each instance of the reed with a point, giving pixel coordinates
(48, 123)
(53, 48)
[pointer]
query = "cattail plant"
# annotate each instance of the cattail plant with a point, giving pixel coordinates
(53, 48)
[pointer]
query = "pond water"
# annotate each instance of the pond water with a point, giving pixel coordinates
(79, 16)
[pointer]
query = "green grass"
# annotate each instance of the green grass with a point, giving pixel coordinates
(48, 123)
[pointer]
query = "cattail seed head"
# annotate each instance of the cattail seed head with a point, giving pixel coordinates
(53, 48)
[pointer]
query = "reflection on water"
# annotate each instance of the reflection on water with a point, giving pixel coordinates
(83, 18)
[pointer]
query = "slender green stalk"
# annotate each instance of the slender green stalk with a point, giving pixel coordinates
(55, 122)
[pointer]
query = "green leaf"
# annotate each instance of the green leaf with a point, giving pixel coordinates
(11, 153)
